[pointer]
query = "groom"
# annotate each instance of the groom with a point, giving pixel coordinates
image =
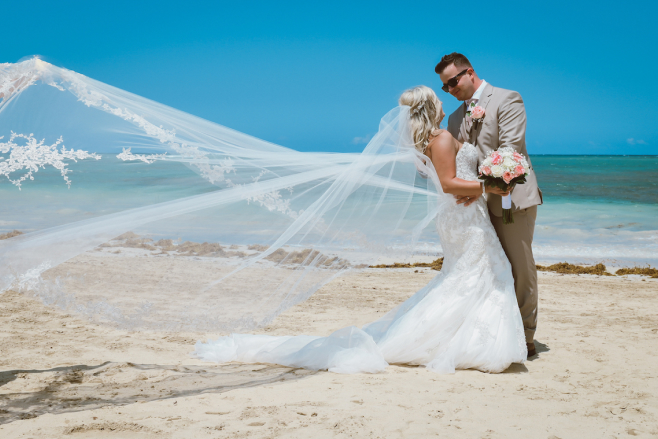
(503, 125)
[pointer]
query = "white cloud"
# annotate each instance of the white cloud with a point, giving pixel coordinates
(360, 140)
(633, 141)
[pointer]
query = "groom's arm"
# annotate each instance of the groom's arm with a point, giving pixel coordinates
(512, 122)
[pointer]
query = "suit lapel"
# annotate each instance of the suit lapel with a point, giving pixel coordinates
(483, 102)
(486, 96)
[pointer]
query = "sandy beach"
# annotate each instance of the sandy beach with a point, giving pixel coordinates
(176, 173)
(594, 376)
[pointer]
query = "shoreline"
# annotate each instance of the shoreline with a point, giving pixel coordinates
(191, 248)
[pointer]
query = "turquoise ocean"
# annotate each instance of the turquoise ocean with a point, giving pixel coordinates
(596, 208)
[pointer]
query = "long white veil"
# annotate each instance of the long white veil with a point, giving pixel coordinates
(239, 230)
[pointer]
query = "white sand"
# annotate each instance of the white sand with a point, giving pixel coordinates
(595, 376)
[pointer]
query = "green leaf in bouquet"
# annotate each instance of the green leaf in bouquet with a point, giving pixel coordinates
(518, 180)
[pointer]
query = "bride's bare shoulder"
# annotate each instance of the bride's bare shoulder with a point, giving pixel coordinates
(443, 141)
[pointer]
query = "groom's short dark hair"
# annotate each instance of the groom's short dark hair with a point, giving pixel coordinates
(455, 58)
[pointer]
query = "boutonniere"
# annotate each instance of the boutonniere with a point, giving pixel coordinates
(475, 112)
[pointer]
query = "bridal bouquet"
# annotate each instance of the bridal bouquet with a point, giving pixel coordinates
(504, 169)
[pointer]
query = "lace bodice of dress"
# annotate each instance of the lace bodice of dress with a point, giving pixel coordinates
(466, 162)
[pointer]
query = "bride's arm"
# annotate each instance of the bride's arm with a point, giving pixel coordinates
(444, 152)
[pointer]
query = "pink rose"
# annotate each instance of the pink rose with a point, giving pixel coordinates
(517, 157)
(507, 176)
(496, 158)
(519, 170)
(486, 170)
(477, 113)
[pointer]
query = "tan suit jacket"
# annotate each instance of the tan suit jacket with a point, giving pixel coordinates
(504, 125)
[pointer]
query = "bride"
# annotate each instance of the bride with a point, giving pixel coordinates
(465, 318)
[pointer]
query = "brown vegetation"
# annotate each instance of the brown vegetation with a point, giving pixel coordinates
(305, 257)
(434, 265)
(10, 234)
(561, 267)
(189, 248)
(598, 269)
(127, 235)
(277, 256)
(566, 268)
(166, 245)
(139, 243)
(644, 271)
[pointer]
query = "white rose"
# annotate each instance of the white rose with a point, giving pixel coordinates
(497, 171)
(487, 162)
(509, 163)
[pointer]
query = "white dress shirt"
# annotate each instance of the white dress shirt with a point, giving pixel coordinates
(476, 96)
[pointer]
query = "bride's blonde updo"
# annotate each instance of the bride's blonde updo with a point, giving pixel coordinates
(426, 113)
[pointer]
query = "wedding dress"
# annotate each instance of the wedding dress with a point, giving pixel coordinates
(465, 318)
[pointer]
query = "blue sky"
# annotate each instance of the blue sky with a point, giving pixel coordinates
(318, 76)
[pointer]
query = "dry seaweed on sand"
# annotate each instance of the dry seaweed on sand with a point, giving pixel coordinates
(10, 234)
(189, 248)
(166, 245)
(277, 255)
(306, 257)
(643, 271)
(144, 243)
(566, 268)
(598, 269)
(130, 240)
(127, 235)
(434, 265)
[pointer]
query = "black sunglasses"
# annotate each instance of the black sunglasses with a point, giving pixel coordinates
(452, 82)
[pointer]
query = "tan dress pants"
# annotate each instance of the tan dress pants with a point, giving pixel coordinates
(516, 239)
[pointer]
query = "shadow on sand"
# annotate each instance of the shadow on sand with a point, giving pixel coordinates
(516, 368)
(26, 394)
(541, 348)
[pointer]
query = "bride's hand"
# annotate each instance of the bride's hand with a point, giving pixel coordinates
(467, 200)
